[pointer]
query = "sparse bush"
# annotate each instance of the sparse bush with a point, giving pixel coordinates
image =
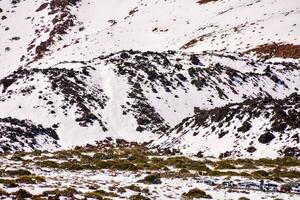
(121, 190)
(124, 165)
(102, 156)
(145, 190)
(248, 166)
(71, 165)
(38, 197)
(9, 183)
(30, 179)
(134, 188)
(196, 193)
(243, 198)
(151, 179)
(138, 197)
(183, 162)
(48, 164)
(19, 172)
(223, 173)
(99, 194)
(104, 164)
(224, 164)
(184, 171)
(17, 157)
(22, 194)
(93, 195)
(260, 174)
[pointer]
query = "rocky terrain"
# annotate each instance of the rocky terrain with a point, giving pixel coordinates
(149, 99)
(140, 96)
(23, 135)
(257, 128)
(76, 72)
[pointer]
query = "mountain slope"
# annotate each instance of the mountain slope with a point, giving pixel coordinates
(137, 95)
(61, 30)
(67, 64)
(23, 135)
(253, 129)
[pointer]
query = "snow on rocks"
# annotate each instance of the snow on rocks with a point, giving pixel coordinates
(252, 129)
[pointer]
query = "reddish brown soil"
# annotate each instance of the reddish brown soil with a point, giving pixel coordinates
(280, 50)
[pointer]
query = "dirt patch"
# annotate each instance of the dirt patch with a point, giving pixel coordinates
(194, 41)
(279, 50)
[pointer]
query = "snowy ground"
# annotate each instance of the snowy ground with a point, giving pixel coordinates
(118, 184)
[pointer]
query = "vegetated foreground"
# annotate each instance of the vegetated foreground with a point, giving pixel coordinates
(123, 170)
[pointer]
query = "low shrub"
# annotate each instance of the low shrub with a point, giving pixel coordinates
(19, 172)
(152, 179)
(196, 193)
(9, 183)
(243, 198)
(30, 179)
(124, 165)
(22, 194)
(48, 164)
(93, 195)
(260, 174)
(71, 165)
(99, 194)
(138, 197)
(134, 188)
(224, 165)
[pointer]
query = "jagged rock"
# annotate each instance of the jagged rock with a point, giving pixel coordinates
(266, 138)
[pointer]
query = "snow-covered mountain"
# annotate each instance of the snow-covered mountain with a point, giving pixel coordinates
(67, 68)
(63, 30)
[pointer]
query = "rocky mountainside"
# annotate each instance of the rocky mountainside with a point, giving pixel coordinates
(254, 128)
(23, 135)
(68, 74)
